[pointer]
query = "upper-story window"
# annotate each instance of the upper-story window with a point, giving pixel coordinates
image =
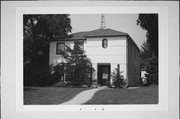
(80, 43)
(60, 48)
(104, 43)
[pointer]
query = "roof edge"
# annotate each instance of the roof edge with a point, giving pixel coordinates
(133, 42)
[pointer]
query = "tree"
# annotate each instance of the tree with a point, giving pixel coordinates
(144, 55)
(38, 30)
(78, 65)
(149, 49)
(149, 22)
(118, 78)
(152, 69)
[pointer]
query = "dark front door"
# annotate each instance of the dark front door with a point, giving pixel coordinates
(103, 74)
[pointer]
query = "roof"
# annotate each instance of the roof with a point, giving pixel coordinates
(97, 33)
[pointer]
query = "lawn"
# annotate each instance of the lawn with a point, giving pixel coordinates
(49, 95)
(142, 95)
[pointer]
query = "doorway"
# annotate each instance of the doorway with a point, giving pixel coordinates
(104, 70)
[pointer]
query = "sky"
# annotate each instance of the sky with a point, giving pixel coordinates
(121, 22)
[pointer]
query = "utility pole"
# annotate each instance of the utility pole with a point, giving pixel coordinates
(103, 21)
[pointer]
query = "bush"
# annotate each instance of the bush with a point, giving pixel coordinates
(121, 83)
(152, 69)
(42, 76)
(61, 84)
(57, 73)
(78, 84)
(36, 76)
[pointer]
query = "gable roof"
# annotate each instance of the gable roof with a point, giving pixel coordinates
(97, 33)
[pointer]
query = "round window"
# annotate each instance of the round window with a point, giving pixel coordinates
(104, 43)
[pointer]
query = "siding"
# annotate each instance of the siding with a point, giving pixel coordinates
(133, 63)
(53, 57)
(115, 53)
(121, 50)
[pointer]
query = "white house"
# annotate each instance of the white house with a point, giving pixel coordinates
(106, 48)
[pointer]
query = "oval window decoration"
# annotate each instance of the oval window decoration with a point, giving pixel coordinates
(104, 43)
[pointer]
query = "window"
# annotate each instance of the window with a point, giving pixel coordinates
(80, 43)
(60, 48)
(104, 43)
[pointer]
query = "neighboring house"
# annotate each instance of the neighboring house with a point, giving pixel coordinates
(106, 48)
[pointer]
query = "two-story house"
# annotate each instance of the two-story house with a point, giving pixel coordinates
(106, 48)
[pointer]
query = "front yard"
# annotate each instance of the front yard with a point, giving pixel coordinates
(57, 95)
(49, 95)
(142, 95)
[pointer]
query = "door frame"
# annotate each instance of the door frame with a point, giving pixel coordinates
(99, 72)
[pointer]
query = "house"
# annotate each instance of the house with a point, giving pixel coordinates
(106, 48)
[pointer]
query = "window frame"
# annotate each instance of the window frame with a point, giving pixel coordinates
(103, 40)
(57, 53)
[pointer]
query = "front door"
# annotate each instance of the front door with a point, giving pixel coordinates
(103, 74)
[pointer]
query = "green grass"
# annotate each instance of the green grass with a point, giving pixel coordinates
(49, 95)
(142, 95)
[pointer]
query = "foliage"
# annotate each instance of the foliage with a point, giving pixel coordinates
(60, 84)
(144, 55)
(38, 30)
(78, 65)
(36, 76)
(152, 69)
(149, 49)
(115, 78)
(149, 22)
(57, 73)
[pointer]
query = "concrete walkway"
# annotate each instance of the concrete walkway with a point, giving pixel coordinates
(83, 96)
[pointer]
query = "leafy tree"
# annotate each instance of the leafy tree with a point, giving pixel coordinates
(149, 49)
(78, 65)
(149, 22)
(144, 55)
(38, 30)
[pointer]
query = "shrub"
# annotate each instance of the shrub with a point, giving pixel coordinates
(42, 76)
(61, 84)
(78, 84)
(57, 73)
(36, 76)
(152, 69)
(115, 79)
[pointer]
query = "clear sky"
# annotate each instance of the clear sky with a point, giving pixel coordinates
(121, 22)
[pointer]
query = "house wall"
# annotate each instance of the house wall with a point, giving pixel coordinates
(120, 50)
(56, 58)
(114, 54)
(133, 63)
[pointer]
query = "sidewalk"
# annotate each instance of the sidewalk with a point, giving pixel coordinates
(83, 96)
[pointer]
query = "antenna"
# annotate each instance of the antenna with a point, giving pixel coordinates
(102, 21)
